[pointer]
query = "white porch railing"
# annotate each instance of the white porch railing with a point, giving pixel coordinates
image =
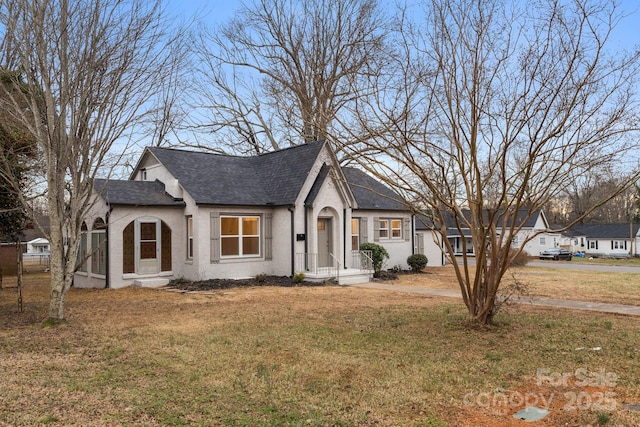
(325, 264)
(362, 260)
(329, 265)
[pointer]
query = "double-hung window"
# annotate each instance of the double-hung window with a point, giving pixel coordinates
(239, 236)
(396, 229)
(189, 237)
(390, 228)
(384, 228)
(99, 252)
(355, 234)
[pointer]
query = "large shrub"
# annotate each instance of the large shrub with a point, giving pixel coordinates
(378, 254)
(417, 262)
(518, 259)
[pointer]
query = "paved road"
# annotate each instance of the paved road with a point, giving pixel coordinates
(548, 302)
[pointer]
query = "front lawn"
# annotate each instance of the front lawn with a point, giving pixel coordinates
(307, 356)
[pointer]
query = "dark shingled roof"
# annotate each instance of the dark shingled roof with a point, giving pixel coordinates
(317, 185)
(135, 193)
(605, 231)
(524, 218)
(423, 222)
(370, 194)
(274, 178)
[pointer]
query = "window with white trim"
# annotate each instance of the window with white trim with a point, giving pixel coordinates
(593, 244)
(390, 228)
(189, 237)
(239, 236)
(99, 252)
(355, 234)
(383, 228)
(619, 244)
(99, 247)
(543, 241)
(396, 228)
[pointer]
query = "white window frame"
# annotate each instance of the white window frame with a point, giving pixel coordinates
(98, 252)
(190, 237)
(240, 236)
(396, 231)
(148, 265)
(592, 244)
(390, 228)
(355, 233)
(543, 241)
(383, 229)
(82, 253)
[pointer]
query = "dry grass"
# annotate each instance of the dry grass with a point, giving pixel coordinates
(301, 357)
(616, 288)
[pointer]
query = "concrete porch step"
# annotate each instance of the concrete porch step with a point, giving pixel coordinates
(349, 276)
(152, 282)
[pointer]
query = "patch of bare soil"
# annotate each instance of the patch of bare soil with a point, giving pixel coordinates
(217, 284)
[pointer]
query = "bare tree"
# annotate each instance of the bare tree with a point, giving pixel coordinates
(491, 111)
(89, 70)
(281, 70)
(582, 194)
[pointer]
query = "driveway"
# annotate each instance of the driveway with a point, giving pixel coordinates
(630, 310)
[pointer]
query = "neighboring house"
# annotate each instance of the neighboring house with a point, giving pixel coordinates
(536, 223)
(605, 240)
(572, 240)
(200, 215)
(545, 239)
(39, 245)
(428, 241)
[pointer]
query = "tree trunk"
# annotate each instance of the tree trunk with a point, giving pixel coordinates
(61, 265)
(60, 284)
(19, 273)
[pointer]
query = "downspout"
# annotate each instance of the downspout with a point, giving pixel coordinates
(413, 234)
(107, 276)
(306, 239)
(293, 236)
(344, 238)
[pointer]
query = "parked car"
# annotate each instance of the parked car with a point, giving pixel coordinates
(556, 254)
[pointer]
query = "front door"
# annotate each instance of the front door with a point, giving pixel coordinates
(148, 253)
(324, 242)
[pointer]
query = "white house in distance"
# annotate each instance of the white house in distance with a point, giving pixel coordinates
(531, 223)
(195, 215)
(603, 240)
(39, 246)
